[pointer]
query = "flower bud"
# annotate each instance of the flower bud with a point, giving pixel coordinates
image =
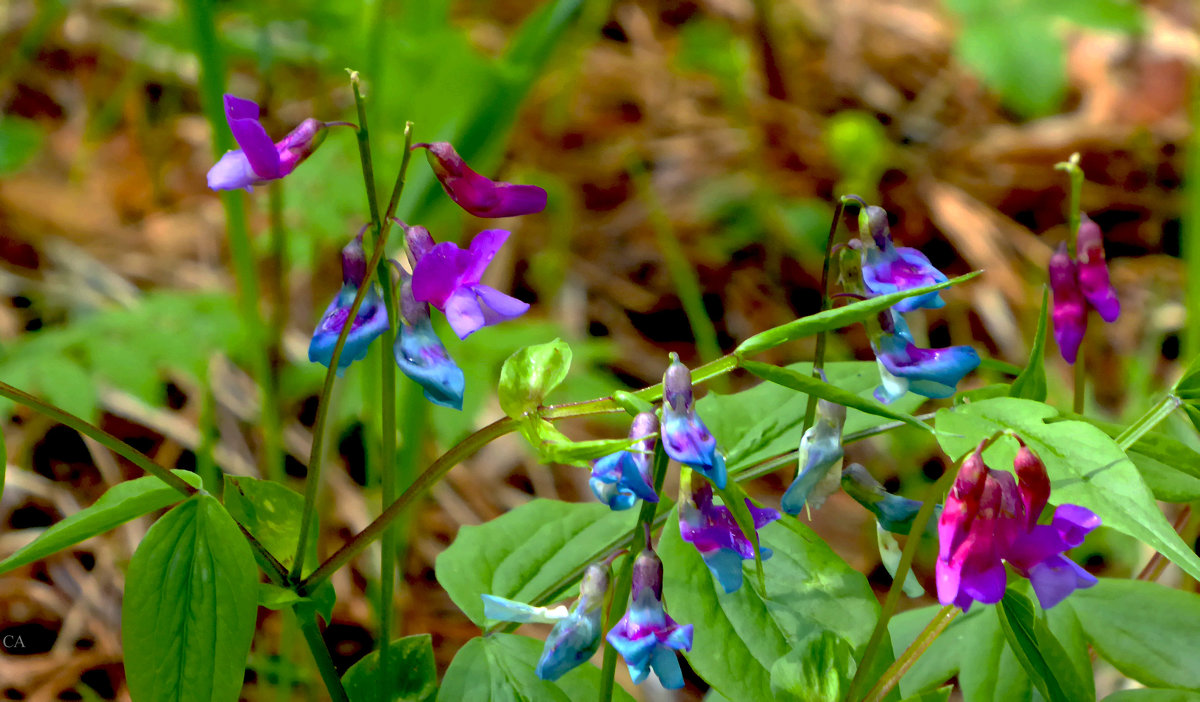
(820, 457)
(1093, 271)
(476, 194)
(1069, 311)
(685, 437)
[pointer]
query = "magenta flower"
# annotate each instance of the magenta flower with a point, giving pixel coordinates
(718, 538)
(476, 194)
(647, 637)
(447, 277)
(1093, 271)
(1070, 309)
(260, 160)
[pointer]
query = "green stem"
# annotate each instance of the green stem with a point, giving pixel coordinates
(1153, 416)
(906, 660)
(271, 419)
(624, 582)
(1075, 174)
(320, 652)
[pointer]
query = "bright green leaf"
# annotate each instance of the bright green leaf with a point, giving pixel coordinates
(988, 670)
(413, 674)
(1153, 695)
(530, 374)
(20, 140)
(819, 670)
(271, 513)
(1117, 15)
(1031, 383)
(1039, 651)
(320, 601)
(941, 694)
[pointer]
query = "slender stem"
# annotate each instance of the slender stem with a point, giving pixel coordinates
(206, 464)
(271, 420)
(906, 660)
(320, 652)
(810, 411)
(1156, 564)
(1075, 174)
(1153, 416)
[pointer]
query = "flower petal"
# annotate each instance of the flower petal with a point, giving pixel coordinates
(259, 149)
(666, 667)
(483, 249)
(463, 312)
(239, 108)
(233, 171)
(437, 275)
(498, 307)
(1056, 578)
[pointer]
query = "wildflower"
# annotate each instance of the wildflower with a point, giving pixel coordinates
(1076, 285)
(447, 277)
(685, 438)
(820, 460)
(903, 367)
(888, 269)
(619, 479)
(259, 159)
(893, 512)
(1093, 271)
(988, 519)
(369, 323)
(421, 355)
(476, 194)
(718, 538)
(647, 637)
(575, 636)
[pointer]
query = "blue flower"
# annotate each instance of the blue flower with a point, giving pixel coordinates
(619, 479)
(685, 438)
(820, 457)
(718, 538)
(370, 322)
(893, 512)
(422, 357)
(888, 269)
(904, 367)
(647, 637)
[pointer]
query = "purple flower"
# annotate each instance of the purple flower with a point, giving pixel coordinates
(888, 269)
(1069, 310)
(447, 277)
(1093, 271)
(685, 438)
(718, 538)
(904, 367)
(647, 637)
(370, 322)
(259, 159)
(422, 357)
(820, 460)
(476, 194)
(619, 479)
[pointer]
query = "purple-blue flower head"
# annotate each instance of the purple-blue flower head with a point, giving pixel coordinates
(716, 535)
(619, 479)
(646, 637)
(888, 269)
(904, 367)
(685, 438)
(370, 322)
(422, 357)
(259, 159)
(819, 460)
(447, 277)
(476, 194)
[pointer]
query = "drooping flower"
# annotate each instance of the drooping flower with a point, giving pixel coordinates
(712, 530)
(647, 637)
(1069, 312)
(476, 194)
(887, 268)
(904, 367)
(259, 160)
(685, 438)
(369, 323)
(422, 357)
(893, 512)
(575, 636)
(820, 459)
(619, 479)
(447, 277)
(1093, 271)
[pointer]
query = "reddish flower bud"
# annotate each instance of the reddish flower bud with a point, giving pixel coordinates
(1093, 271)
(1070, 310)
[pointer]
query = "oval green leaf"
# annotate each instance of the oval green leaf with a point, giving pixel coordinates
(412, 672)
(530, 374)
(271, 513)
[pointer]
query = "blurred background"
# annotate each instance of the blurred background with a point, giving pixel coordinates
(691, 150)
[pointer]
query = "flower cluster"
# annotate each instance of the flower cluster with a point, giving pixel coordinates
(1078, 285)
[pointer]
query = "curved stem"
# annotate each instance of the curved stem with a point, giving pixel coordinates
(906, 660)
(1075, 175)
(810, 411)
(320, 652)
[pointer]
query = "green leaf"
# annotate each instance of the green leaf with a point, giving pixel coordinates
(739, 636)
(1117, 15)
(190, 603)
(528, 554)
(827, 391)
(552, 446)
(1030, 384)
(320, 601)
(1170, 467)
(121, 503)
(1146, 630)
(1064, 624)
(68, 386)
(1153, 695)
(1019, 55)
(271, 513)
(3, 465)
(988, 671)
(530, 374)
(1085, 466)
(837, 318)
(1039, 652)
(500, 668)
(20, 140)
(413, 673)
(819, 670)
(939, 663)
(941, 694)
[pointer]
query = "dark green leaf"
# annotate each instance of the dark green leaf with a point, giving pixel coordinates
(530, 374)
(1153, 695)
(1170, 467)
(271, 513)
(524, 554)
(819, 670)
(190, 604)
(988, 670)
(1030, 384)
(1085, 466)
(1037, 648)
(122, 502)
(413, 674)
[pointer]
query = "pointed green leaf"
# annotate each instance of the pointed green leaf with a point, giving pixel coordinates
(413, 673)
(1039, 651)
(819, 670)
(1030, 384)
(271, 513)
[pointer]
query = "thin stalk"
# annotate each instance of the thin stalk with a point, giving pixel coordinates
(906, 660)
(624, 582)
(206, 464)
(1075, 174)
(1157, 564)
(320, 652)
(271, 420)
(1153, 416)
(687, 284)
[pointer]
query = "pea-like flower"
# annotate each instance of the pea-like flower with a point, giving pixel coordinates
(422, 357)
(820, 461)
(619, 479)
(647, 637)
(259, 160)
(712, 530)
(447, 277)
(887, 268)
(893, 512)
(904, 367)
(575, 636)
(369, 323)
(685, 437)
(1093, 271)
(989, 519)
(476, 194)
(1076, 285)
